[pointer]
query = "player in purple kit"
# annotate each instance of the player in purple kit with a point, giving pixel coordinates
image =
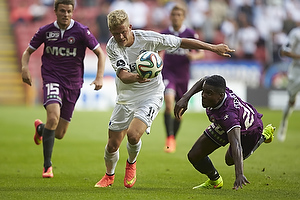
(233, 121)
(176, 72)
(65, 42)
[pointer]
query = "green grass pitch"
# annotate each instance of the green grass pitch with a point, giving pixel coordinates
(78, 163)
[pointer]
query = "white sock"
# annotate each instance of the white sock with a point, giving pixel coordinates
(111, 160)
(133, 151)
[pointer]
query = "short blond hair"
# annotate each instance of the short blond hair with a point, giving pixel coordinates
(116, 18)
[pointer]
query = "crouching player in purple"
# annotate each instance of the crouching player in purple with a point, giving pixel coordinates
(65, 42)
(233, 121)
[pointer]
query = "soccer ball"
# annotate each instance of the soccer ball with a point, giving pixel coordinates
(149, 64)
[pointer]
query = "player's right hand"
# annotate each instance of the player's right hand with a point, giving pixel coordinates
(180, 108)
(223, 50)
(239, 182)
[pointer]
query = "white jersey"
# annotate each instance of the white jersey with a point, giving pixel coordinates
(125, 57)
(293, 44)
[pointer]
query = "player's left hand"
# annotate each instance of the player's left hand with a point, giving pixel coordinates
(239, 182)
(98, 84)
(223, 50)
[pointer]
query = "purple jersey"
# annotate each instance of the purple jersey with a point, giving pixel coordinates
(233, 112)
(176, 63)
(64, 52)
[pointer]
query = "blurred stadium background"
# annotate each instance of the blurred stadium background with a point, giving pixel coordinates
(255, 28)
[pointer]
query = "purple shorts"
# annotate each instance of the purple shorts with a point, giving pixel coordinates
(66, 98)
(248, 139)
(175, 87)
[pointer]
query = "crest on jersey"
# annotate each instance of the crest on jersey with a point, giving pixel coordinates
(121, 63)
(71, 40)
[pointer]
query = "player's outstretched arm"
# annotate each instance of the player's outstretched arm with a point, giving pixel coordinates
(26, 77)
(220, 49)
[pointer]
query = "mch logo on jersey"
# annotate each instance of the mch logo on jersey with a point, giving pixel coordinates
(53, 35)
(71, 40)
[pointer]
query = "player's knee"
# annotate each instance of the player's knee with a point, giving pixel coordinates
(60, 131)
(111, 148)
(292, 102)
(133, 139)
(193, 159)
(59, 135)
(52, 123)
(133, 136)
(229, 161)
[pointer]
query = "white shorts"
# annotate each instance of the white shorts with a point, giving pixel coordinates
(145, 110)
(293, 86)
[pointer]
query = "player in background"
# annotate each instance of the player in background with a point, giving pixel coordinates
(291, 50)
(176, 72)
(233, 121)
(138, 99)
(65, 42)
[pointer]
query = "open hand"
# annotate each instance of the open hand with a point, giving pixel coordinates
(239, 182)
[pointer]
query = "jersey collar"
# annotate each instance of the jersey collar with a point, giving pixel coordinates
(70, 26)
(181, 30)
(221, 104)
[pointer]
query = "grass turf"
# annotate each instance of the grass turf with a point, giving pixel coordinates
(78, 161)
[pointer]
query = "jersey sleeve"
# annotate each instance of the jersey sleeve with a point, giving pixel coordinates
(159, 41)
(37, 39)
(90, 39)
(231, 121)
(169, 42)
(114, 53)
(227, 119)
(292, 41)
